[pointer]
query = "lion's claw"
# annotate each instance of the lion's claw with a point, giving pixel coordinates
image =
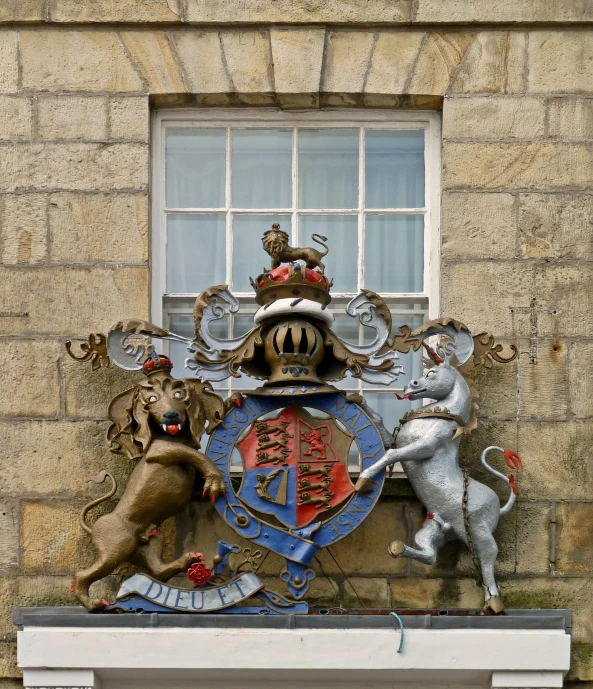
(214, 486)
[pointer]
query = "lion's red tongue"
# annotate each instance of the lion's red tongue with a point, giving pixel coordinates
(173, 429)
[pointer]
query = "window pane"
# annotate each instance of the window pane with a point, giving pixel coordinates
(184, 326)
(249, 257)
(394, 169)
(341, 263)
(388, 406)
(261, 169)
(328, 168)
(394, 253)
(346, 327)
(195, 252)
(195, 168)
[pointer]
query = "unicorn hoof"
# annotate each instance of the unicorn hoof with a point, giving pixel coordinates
(364, 485)
(396, 548)
(494, 604)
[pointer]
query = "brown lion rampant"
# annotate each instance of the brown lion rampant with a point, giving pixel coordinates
(158, 423)
(275, 242)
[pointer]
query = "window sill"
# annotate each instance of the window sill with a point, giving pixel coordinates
(67, 647)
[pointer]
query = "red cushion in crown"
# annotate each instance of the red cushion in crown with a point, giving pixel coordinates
(283, 272)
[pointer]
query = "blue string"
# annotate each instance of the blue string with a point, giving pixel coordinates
(401, 628)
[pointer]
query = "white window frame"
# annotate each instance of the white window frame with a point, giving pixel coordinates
(327, 118)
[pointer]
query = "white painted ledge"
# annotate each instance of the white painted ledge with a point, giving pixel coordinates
(167, 658)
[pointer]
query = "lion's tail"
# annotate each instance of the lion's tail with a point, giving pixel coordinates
(320, 239)
(98, 479)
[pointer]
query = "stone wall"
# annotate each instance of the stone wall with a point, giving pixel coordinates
(77, 83)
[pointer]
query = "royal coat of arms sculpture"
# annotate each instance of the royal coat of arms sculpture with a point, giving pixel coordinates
(291, 436)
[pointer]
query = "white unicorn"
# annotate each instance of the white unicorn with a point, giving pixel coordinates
(427, 445)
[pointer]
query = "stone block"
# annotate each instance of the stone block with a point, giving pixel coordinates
(494, 63)
(288, 12)
(75, 60)
(9, 534)
(560, 62)
(23, 228)
(392, 61)
(493, 117)
(88, 393)
(563, 291)
(297, 56)
(557, 592)
(435, 593)
(30, 372)
(69, 302)
(533, 532)
(415, 593)
(8, 683)
(129, 118)
(15, 117)
(570, 118)
(74, 166)
(8, 662)
(537, 165)
(323, 591)
(556, 460)
(498, 288)
(7, 594)
(57, 458)
(52, 540)
(9, 63)
(72, 117)
(249, 60)
(347, 59)
(85, 228)
(478, 225)
(22, 11)
(366, 592)
(574, 555)
(556, 226)
(500, 433)
(581, 666)
(151, 53)
(202, 61)
(493, 11)
(543, 386)
(364, 551)
(580, 378)
(438, 61)
(497, 388)
(114, 11)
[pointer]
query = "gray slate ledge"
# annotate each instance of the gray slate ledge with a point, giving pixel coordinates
(438, 619)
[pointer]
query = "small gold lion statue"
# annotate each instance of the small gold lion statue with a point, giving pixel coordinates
(275, 243)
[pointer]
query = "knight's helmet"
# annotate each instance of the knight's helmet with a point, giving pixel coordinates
(293, 350)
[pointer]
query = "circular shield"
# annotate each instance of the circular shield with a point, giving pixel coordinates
(293, 492)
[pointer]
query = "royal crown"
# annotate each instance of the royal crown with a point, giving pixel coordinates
(156, 363)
